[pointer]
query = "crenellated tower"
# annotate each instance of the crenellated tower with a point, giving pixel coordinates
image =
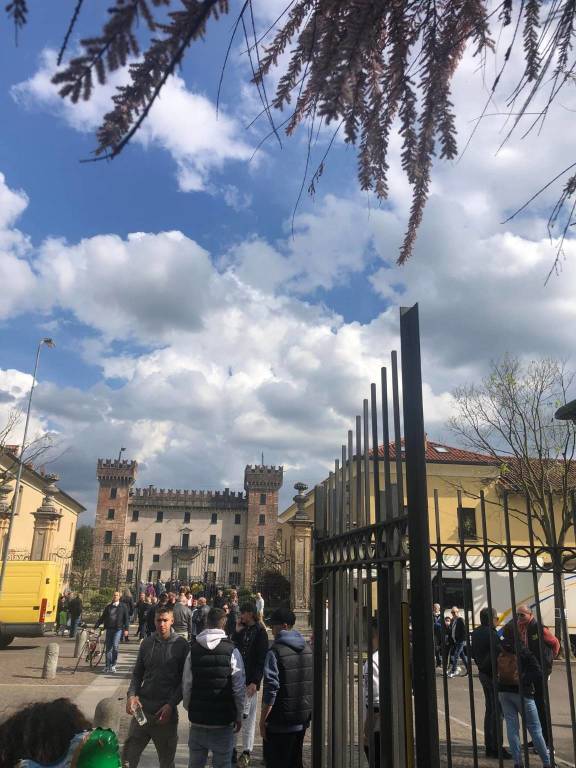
(262, 484)
(115, 479)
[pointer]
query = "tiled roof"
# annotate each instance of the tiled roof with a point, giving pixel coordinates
(548, 472)
(438, 453)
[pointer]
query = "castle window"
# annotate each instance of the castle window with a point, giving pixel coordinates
(104, 577)
(154, 575)
(131, 558)
(235, 559)
(159, 516)
(186, 517)
(157, 539)
(132, 540)
(155, 558)
(261, 519)
(185, 540)
(107, 537)
(106, 556)
(260, 542)
(135, 515)
(110, 514)
(211, 559)
(234, 578)
(214, 518)
(113, 492)
(262, 498)
(129, 575)
(212, 544)
(237, 519)
(236, 543)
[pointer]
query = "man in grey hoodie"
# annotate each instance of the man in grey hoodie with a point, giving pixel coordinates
(156, 686)
(287, 698)
(214, 691)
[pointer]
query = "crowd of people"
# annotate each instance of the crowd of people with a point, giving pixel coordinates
(513, 667)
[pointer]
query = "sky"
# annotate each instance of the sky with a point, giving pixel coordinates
(203, 316)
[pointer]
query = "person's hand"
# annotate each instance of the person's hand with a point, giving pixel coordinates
(164, 713)
(237, 726)
(250, 690)
(263, 729)
(131, 702)
(125, 633)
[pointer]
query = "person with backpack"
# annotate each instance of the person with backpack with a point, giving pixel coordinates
(528, 631)
(484, 639)
(517, 671)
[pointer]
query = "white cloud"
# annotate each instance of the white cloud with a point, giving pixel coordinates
(183, 123)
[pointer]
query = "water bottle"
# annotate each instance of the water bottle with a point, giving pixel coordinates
(138, 713)
(246, 711)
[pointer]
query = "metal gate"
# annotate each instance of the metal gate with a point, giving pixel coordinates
(375, 574)
(360, 584)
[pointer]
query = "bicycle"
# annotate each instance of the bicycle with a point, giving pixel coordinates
(92, 650)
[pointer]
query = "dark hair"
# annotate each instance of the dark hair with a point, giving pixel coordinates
(249, 607)
(282, 616)
(485, 616)
(214, 617)
(41, 732)
(163, 599)
(162, 608)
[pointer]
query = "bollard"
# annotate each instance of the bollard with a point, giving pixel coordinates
(50, 661)
(107, 714)
(81, 638)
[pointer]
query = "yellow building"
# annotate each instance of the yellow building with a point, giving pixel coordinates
(449, 470)
(45, 517)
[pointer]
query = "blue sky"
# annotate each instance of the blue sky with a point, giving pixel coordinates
(215, 333)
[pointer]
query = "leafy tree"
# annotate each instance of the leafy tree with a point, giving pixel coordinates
(510, 416)
(82, 556)
(367, 67)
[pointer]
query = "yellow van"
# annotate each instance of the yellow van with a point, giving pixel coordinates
(29, 599)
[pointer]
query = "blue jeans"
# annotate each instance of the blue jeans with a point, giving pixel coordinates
(219, 741)
(112, 644)
(459, 653)
(511, 704)
(74, 622)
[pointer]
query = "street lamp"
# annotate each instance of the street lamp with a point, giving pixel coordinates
(47, 342)
(567, 412)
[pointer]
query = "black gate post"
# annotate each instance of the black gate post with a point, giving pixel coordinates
(425, 706)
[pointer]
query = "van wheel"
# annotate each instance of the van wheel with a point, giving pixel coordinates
(5, 641)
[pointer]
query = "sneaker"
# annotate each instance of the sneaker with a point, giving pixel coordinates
(244, 760)
(452, 674)
(113, 669)
(106, 670)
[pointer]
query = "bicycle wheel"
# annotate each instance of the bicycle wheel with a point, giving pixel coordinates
(96, 655)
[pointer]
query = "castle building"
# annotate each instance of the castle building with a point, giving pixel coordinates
(218, 537)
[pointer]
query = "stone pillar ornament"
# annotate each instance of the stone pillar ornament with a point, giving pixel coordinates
(45, 521)
(5, 511)
(301, 560)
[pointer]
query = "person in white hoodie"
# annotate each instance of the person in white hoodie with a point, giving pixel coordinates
(214, 692)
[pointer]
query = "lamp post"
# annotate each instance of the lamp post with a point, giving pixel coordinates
(48, 343)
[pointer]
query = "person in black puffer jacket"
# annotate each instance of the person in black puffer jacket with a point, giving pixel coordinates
(287, 697)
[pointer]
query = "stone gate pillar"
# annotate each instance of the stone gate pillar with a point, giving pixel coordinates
(301, 560)
(5, 510)
(45, 521)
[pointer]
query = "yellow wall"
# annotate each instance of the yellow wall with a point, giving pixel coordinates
(447, 479)
(31, 495)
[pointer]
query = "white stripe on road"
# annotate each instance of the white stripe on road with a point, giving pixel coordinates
(557, 760)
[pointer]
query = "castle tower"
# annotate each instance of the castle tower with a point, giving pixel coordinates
(115, 478)
(261, 485)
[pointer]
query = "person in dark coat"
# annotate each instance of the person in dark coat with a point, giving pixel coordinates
(287, 696)
(128, 601)
(142, 607)
(219, 599)
(458, 635)
(75, 607)
(251, 639)
(116, 621)
(483, 639)
(519, 669)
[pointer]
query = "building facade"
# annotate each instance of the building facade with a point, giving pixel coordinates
(45, 517)
(218, 537)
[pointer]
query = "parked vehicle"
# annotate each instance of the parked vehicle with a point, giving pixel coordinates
(29, 599)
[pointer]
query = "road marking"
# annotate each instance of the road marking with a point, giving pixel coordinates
(557, 760)
(48, 685)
